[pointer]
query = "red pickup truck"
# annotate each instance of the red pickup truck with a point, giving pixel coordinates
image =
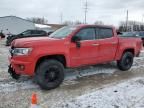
(45, 58)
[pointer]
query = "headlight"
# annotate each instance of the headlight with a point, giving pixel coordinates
(21, 51)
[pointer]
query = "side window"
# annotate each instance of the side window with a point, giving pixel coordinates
(86, 34)
(39, 33)
(105, 33)
(36, 32)
(33, 32)
(42, 33)
(27, 33)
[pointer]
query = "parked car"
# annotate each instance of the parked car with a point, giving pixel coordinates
(26, 34)
(139, 34)
(46, 58)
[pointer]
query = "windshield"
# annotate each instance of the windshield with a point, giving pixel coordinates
(63, 32)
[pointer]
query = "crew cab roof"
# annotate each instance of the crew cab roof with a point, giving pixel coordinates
(88, 25)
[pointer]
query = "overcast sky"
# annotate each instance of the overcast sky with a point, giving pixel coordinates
(108, 11)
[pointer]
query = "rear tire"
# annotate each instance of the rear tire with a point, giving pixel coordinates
(49, 74)
(126, 61)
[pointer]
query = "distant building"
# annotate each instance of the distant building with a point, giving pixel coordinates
(14, 25)
(135, 26)
(131, 26)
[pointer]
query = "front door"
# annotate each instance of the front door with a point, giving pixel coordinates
(87, 53)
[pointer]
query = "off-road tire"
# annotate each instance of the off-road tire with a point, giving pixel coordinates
(49, 74)
(126, 61)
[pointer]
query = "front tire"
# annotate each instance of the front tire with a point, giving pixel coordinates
(49, 74)
(126, 61)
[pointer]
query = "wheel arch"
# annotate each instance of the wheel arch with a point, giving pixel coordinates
(129, 50)
(59, 57)
(126, 50)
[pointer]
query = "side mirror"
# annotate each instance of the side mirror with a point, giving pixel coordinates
(119, 33)
(76, 39)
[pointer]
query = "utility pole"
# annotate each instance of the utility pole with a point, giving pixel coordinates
(85, 11)
(142, 18)
(127, 20)
(61, 18)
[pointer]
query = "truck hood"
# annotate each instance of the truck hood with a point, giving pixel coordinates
(33, 41)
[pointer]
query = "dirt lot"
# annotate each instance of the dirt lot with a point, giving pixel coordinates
(16, 94)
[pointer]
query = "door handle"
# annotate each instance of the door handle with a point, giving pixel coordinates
(114, 43)
(95, 44)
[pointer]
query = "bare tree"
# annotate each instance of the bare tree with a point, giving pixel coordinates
(68, 23)
(38, 20)
(72, 23)
(99, 23)
(77, 22)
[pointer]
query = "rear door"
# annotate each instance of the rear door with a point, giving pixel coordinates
(107, 44)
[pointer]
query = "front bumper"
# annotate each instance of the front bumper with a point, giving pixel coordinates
(22, 66)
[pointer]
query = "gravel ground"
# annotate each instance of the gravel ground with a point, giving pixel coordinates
(16, 94)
